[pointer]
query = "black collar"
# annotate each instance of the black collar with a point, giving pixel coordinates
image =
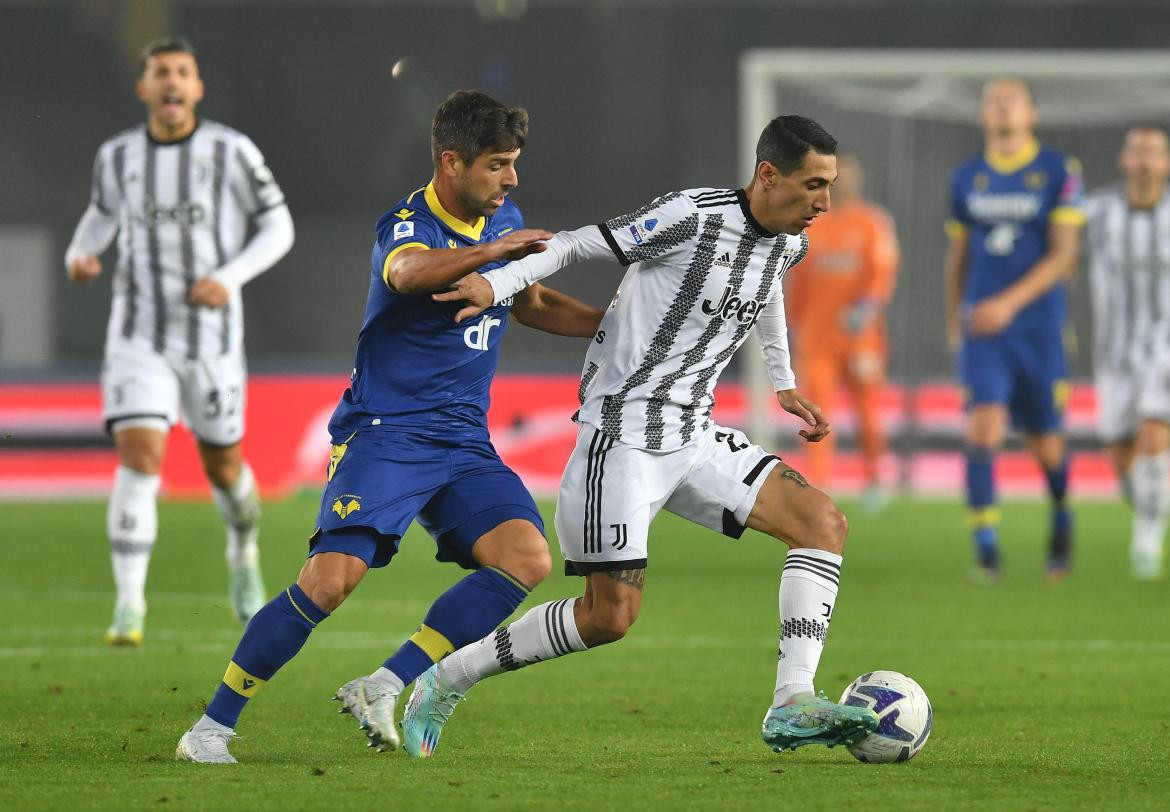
(741, 195)
(158, 143)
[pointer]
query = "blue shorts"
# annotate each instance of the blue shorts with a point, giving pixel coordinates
(1025, 372)
(381, 479)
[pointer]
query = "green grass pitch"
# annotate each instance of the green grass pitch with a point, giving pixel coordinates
(1045, 696)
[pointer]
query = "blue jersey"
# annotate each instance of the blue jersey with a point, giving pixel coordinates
(1005, 207)
(416, 369)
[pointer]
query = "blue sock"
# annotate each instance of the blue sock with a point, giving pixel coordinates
(463, 614)
(273, 637)
(1057, 479)
(982, 514)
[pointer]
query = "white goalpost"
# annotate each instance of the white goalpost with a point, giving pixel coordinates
(911, 117)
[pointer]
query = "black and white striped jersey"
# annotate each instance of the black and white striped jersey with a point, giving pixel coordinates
(702, 272)
(181, 212)
(1128, 252)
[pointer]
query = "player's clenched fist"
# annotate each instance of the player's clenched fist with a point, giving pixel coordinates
(208, 292)
(520, 244)
(84, 269)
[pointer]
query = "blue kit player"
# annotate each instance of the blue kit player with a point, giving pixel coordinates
(1014, 233)
(410, 434)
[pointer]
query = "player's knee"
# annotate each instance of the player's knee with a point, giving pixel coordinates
(827, 529)
(141, 457)
(327, 589)
(525, 557)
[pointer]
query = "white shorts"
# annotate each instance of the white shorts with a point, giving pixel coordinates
(612, 491)
(1125, 399)
(141, 387)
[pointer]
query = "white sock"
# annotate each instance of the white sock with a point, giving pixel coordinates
(207, 723)
(808, 592)
(384, 674)
(544, 632)
(132, 526)
(239, 507)
(1150, 484)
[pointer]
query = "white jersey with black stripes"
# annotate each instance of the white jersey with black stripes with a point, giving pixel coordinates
(182, 211)
(702, 272)
(1128, 252)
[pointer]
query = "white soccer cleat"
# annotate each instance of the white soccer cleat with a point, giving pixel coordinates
(126, 630)
(372, 702)
(206, 746)
(1146, 565)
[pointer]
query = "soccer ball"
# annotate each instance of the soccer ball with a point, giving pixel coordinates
(904, 716)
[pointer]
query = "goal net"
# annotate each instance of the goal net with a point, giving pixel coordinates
(911, 118)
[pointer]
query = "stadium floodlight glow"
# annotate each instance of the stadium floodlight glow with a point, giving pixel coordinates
(911, 117)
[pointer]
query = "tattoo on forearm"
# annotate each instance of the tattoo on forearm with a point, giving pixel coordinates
(795, 476)
(635, 578)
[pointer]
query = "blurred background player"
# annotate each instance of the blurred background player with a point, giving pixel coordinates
(182, 194)
(410, 436)
(1128, 245)
(1014, 235)
(835, 305)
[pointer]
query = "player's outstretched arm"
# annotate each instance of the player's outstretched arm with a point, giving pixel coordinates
(795, 403)
(420, 270)
(554, 312)
(993, 314)
(479, 292)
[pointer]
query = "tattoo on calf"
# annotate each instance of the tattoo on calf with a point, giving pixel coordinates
(634, 578)
(795, 476)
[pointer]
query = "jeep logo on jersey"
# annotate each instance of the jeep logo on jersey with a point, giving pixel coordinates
(476, 336)
(186, 214)
(745, 311)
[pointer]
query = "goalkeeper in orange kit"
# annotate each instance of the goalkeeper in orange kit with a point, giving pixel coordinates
(835, 303)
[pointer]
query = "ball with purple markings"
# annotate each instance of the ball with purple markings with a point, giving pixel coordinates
(903, 711)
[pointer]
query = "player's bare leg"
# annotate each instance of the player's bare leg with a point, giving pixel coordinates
(1121, 455)
(866, 380)
(237, 498)
(790, 510)
(1149, 475)
(986, 428)
(1050, 452)
(132, 523)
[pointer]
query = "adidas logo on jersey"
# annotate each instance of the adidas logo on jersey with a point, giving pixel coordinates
(724, 260)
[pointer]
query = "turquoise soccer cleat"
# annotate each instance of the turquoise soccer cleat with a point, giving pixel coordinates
(429, 709)
(809, 719)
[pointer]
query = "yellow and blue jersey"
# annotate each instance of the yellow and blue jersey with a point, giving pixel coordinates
(416, 369)
(1005, 206)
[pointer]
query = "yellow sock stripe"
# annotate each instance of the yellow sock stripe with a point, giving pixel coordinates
(434, 644)
(288, 592)
(509, 576)
(984, 517)
(241, 681)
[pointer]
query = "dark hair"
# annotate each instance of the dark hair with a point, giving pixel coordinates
(470, 123)
(787, 139)
(166, 45)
